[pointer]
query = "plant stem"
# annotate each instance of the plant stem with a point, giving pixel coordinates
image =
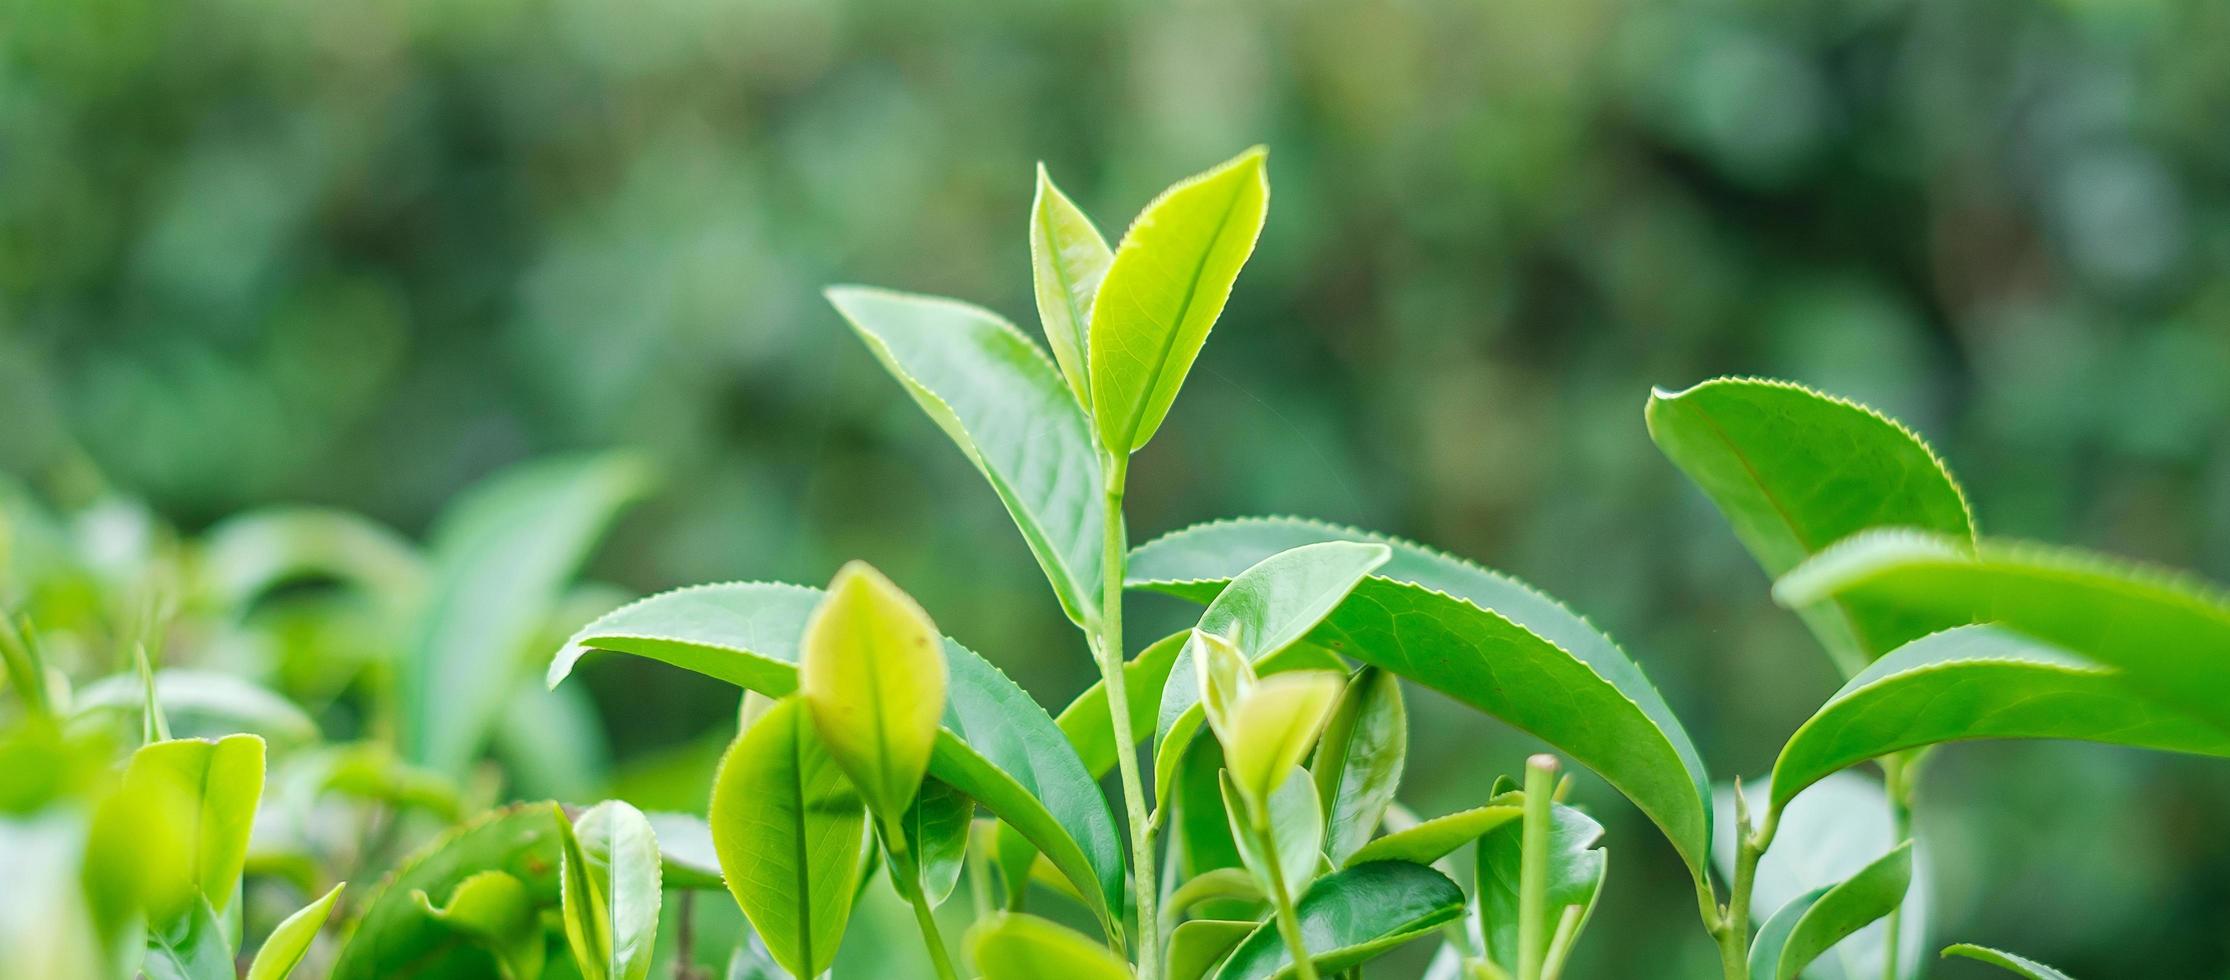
(1897, 780)
(1533, 866)
(1289, 921)
(1732, 929)
(908, 880)
(1146, 881)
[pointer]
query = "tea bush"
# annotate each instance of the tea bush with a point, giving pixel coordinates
(1257, 828)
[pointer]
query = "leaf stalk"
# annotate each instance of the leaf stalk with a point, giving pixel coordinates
(1533, 866)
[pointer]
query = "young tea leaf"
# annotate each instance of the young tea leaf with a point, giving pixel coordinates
(1024, 947)
(1812, 924)
(395, 938)
(223, 780)
(1165, 288)
(1978, 682)
(936, 827)
(1359, 758)
(873, 681)
(1351, 917)
(789, 829)
(495, 911)
(1436, 838)
(283, 950)
(1273, 726)
(622, 872)
(995, 395)
(1068, 258)
(1294, 820)
(1794, 471)
(2019, 965)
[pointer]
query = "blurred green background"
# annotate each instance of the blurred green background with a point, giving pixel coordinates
(363, 254)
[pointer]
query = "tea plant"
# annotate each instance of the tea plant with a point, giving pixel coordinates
(1258, 754)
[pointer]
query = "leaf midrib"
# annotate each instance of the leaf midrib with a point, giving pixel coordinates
(1184, 312)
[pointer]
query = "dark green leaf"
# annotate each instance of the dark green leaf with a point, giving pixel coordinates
(1196, 947)
(1359, 758)
(936, 827)
(495, 911)
(1351, 916)
(395, 938)
(1576, 870)
(1437, 838)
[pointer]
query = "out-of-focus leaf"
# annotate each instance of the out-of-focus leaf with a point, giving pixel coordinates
(1486, 640)
(1812, 924)
(1978, 682)
(200, 703)
(998, 746)
(1294, 820)
(1794, 471)
(1359, 758)
(685, 850)
(283, 950)
(396, 938)
(1828, 834)
(873, 682)
(2019, 965)
(1196, 947)
(789, 830)
(1350, 917)
(609, 891)
(552, 742)
(191, 947)
(1025, 947)
(1169, 280)
(2169, 636)
(494, 909)
(500, 557)
(1068, 258)
(1220, 884)
(936, 826)
(224, 779)
(1005, 405)
(1576, 870)
(1438, 837)
(245, 556)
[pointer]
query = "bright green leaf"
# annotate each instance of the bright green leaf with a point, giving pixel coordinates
(200, 703)
(936, 826)
(495, 910)
(395, 938)
(1794, 471)
(1220, 884)
(1809, 926)
(283, 950)
(873, 682)
(224, 781)
(1352, 916)
(789, 829)
(1274, 726)
(1196, 947)
(192, 947)
(1436, 838)
(2021, 965)
(1294, 819)
(1978, 682)
(1486, 640)
(2168, 635)
(998, 747)
(1068, 258)
(1024, 947)
(1358, 763)
(611, 904)
(1577, 867)
(995, 394)
(500, 557)
(1164, 290)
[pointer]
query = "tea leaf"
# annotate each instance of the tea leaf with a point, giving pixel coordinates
(1086, 721)
(395, 938)
(995, 394)
(1576, 870)
(685, 852)
(283, 950)
(1221, 884)
(790, 832)
(998, 746)
(1352, 916)
(246, 556)
(500, 557)
(1813, 923)
(610, 891)
(1830, 833)
(874, 685)
(1068, 258)
(1196, 947)
(1025, 947)
(1978, 682)
(1295, 820)
(936, 826)
(1164, 290)
(1273, 727)
(1794, 471)
(1359, 758)
(1484, 639)
(223, 780)
(201, 702)
(2169, 636)
(494, 910)
(1436, 838)
(2022, 965)
(192, 947)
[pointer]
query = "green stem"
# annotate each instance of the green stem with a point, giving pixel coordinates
(1289, 920)
(1732, 928)
(1897, 780)
(1146, 881)
(908, 880)
(1533, 866)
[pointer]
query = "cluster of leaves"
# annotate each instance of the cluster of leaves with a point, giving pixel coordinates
(871, 746)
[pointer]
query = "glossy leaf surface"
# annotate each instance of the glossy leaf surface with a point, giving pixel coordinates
(873, 680)
(2168, 635)
(1794, 471)
(1438, 837)
(1812, 924)
(1351, 916)
(621, 869)
(1025, 947)
(936, 827)
(1068, 258)
(1163, 291)
(789, 829)
(1486, 640)
(2019, 965)
(1359, 759)
(1577, 866)
(1196, 947)
(290, 940)
(998, 747)
(995, 394)
(1980, 682)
